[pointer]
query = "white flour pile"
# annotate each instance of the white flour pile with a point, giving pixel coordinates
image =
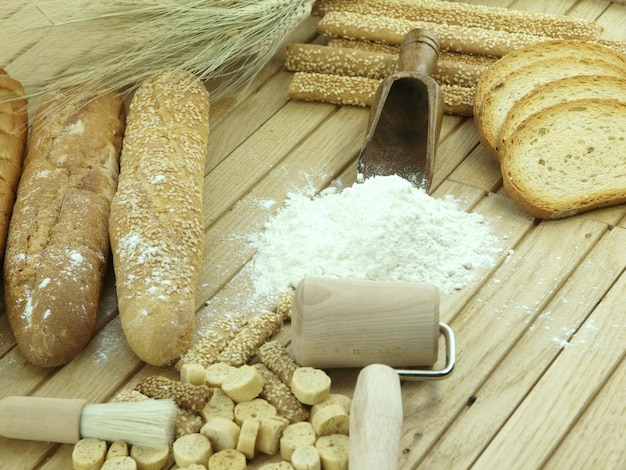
(381, 229)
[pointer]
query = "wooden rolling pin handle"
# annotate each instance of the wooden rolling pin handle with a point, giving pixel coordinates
(41, 419)
(376, 419)
(419, 52)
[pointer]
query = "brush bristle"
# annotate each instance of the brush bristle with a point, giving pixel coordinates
(148, 423)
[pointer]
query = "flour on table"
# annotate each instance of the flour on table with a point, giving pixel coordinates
(381, 229)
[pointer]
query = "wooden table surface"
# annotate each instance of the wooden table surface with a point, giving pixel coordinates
(540, 379)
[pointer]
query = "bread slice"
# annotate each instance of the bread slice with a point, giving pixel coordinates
(556, 49)
(558, 91)
(517, 84)
(568, 158)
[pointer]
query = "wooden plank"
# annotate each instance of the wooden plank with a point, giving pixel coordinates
(487, 327)
(600, 427)
(312, 163)
(558, 400)
(612, 20)
(548, 336)
(480, 169)
(94, 375)
(452, 150)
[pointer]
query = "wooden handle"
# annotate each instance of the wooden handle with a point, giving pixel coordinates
(349, 323)
(41, 419)
(376, 419)
(419, 52)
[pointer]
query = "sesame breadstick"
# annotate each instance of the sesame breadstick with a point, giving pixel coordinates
(277, 359)
(359, 91)
(336, 89)
(280, 396)
(206, 349)
(339, 61)
(186, 396)
(283, 305)
(244, 345)
(454, 38)
(479, 16)
(187, 422)
(365, 45)
(451, 68)
(619, 46)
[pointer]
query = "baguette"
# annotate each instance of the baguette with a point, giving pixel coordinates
(58, 245)
(156, 227)
(566, 159)
(13, 133)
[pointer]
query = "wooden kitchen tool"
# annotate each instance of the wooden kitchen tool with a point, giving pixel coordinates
(148, 423)
(376, 419)
(405, 119)
(352, 323)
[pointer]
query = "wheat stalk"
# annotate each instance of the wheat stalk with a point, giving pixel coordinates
(225, 41)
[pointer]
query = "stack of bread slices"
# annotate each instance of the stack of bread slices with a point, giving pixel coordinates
(554, 115)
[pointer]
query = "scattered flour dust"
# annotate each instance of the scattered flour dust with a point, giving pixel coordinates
(381, 229)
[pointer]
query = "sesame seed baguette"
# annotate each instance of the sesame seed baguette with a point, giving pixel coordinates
(450, 69)
(455, 38)
(359, 91)
(13, 134)
(157, 228)
(459, 13)
(58, 246)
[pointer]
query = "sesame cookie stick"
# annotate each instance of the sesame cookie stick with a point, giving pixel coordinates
(454, 38)
(459, 13)
(359, 91)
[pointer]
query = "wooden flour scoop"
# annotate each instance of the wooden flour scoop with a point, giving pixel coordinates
(405, 119)
(347, 323)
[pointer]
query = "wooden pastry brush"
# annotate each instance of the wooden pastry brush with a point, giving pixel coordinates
(148, 423)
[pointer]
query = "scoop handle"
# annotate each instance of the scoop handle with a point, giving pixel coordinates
(419, 52)
(41, 419)
(376, 419)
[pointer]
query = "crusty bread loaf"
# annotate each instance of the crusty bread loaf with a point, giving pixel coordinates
(518, 83)
(57, 246)
(13, 133)
(156, 227)
(556, 49)
(558, 91)
(568, 158)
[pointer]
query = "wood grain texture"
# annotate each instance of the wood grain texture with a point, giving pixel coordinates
(541, 334)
